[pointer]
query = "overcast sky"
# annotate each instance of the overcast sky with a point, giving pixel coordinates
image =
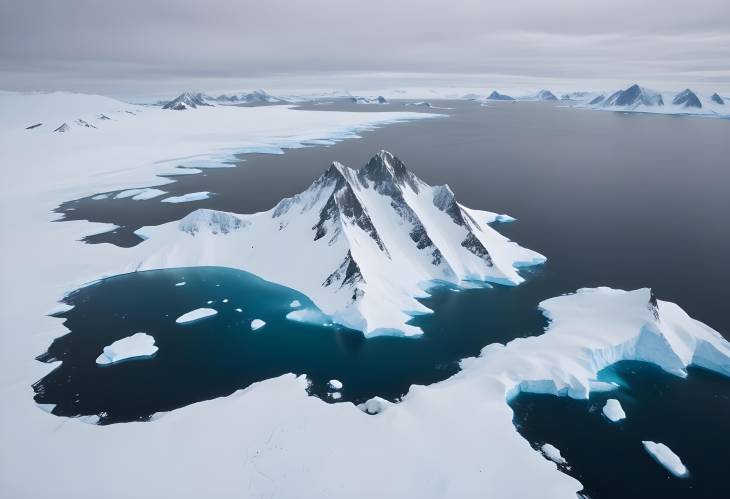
(160, 47)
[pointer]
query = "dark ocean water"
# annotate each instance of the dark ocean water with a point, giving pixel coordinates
(611, 199)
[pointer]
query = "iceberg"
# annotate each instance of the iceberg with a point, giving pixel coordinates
(335, 384)
(257, 324)
(196, 315)
(613, 410)
(137, 346)
(667, 458)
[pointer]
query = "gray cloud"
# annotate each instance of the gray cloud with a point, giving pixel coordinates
(162, 46)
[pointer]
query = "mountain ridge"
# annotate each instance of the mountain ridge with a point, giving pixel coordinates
(363, 244)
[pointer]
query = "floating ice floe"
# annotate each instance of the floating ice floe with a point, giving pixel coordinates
(667, 458)
(295, 304)
(257, 324)
(137, 346)
(181, 283)
(613, 410)
(195, 315)
(186, 198)
(140, 194)
(553, 453)
(335, 384)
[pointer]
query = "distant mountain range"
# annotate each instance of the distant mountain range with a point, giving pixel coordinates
(193, 100)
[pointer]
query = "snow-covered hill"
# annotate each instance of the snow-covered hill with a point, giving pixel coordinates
(362, 244)
(41, 113)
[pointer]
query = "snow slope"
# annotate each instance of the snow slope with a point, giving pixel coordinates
(362, 244)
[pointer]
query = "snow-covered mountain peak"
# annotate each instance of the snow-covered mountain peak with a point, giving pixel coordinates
(363, 244)
(546, 95)
(687, 98)
(634, 96)
(186, 100)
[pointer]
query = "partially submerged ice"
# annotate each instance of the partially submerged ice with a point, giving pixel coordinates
(137, 346)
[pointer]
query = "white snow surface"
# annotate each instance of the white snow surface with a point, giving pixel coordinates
(257, 324)
(137, 346)
(261, 448)
(186, 198)
(367, 243)
(666, 457)
(613, 410)
(553, 453)
(196, 315)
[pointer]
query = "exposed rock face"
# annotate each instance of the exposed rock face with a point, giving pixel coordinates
(717, 99)
(687, 98)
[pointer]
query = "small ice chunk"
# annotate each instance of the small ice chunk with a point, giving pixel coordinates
(336, 395)
(553, 453)
(613, 410)
(209, 302)
(239, 310)
(257, 324)
(664, 456)
(195, 315)
(225, 300)
(99, 197)
(375, 405)
(186, 198)
(295, 304)
(181, 283)
(137, 346)
(335, 384)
